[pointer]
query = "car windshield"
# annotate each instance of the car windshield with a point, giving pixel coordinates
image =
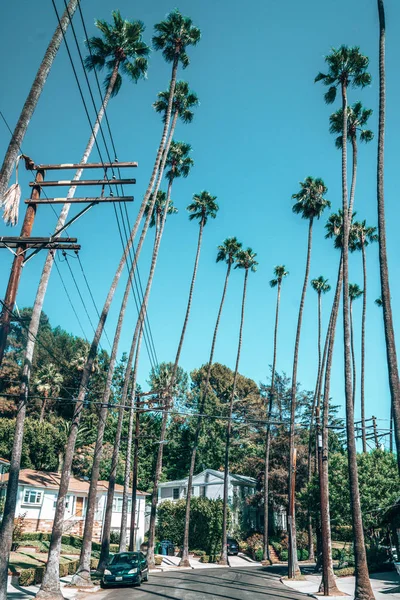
(124, 558)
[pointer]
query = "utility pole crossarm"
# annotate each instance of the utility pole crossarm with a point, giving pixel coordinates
(86, 199)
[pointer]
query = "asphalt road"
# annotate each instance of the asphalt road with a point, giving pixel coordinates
(253, 583)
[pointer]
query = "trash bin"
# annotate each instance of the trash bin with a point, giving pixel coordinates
(164, 548)
(157, 548)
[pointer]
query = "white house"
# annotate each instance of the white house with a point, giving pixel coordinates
(210, 484)
(4, 466)
(37, 496)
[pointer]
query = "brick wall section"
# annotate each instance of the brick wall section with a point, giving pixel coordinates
(45, 526)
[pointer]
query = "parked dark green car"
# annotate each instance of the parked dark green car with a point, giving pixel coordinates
(126, 568)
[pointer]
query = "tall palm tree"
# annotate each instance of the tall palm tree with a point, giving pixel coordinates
(127, 37)
(357, 118)
(178, 33)
(246, 260)
(203, 208)
(347, 67)
(279, 274)
(179, 163)
(48, 381)
(183, 103)
(321, 286)
(365, 235)
(310, 204)
(354, 292)
(14, 147)
(227, 253)
(383, 262)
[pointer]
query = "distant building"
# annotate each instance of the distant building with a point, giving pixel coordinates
(4, 466)
(37, 496)
(210, 484)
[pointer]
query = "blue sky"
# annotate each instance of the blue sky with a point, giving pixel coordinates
(261, 127)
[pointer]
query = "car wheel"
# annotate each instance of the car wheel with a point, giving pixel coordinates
(146, 577)
(139, 581)
(103, 585)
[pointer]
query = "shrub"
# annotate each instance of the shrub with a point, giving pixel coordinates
(205, 559)
(115, 537)
(302, 554)
(73, 566)
(39, 574)
(41, 537)
(158, 560)
(258, 555)
(284, 555)
(336, 553)
(27, 577)
(63, 569)
(254, 543)
(198, 552)
(94, 563)
(345, 572)
(113, 548)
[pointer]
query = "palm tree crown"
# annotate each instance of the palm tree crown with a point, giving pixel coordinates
(363, 235)
(158, 207)
(310, 202)
(334, 229)
(246, 259)
(279, 272)
(174, 35)
(357, 117)
(354, 291)
(228, 250)
(121, 43)
(184, 100)
(320, 285)
(347, 66)
(203, 207)
(178, 160)
(48, 379)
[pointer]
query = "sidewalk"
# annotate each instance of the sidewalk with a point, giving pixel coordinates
(171, 563)
(17, 592)
(386, 586)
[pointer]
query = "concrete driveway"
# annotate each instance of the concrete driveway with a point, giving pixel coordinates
(254, 583)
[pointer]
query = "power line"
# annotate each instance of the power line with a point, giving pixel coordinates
(106, 147)
(70, 301)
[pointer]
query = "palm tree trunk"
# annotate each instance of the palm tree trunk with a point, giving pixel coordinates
(132, 535)
(43, 408)
(353, 356)
(328, 585)
(14, 147)
(152, 528)
(363, 588)
(33, 330)
(125, 496)
(311, 554)
(185, 551)
(224, 550)
(364, 313)
(268, 434)
(139, 332)
(105, 544)
(353, 177)
(154, 497)
(294, 570)
(383, 262)
(51, 584)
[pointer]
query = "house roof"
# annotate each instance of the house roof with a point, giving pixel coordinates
(51, 481)
(4, 461)
(240, 479)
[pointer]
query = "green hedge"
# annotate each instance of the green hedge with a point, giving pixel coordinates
(35, 574)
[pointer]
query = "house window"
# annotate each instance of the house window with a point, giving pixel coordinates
(32, 497)
(67, 501)
(185, 491)
(117, 505)
(203, 491)
(175, 493)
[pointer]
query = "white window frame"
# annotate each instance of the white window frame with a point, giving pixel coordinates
(26, 500)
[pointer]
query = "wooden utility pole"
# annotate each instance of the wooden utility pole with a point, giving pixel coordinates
(25, 241)
(132, 532)
(291, 548)
(375, 432)
(16, 269)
